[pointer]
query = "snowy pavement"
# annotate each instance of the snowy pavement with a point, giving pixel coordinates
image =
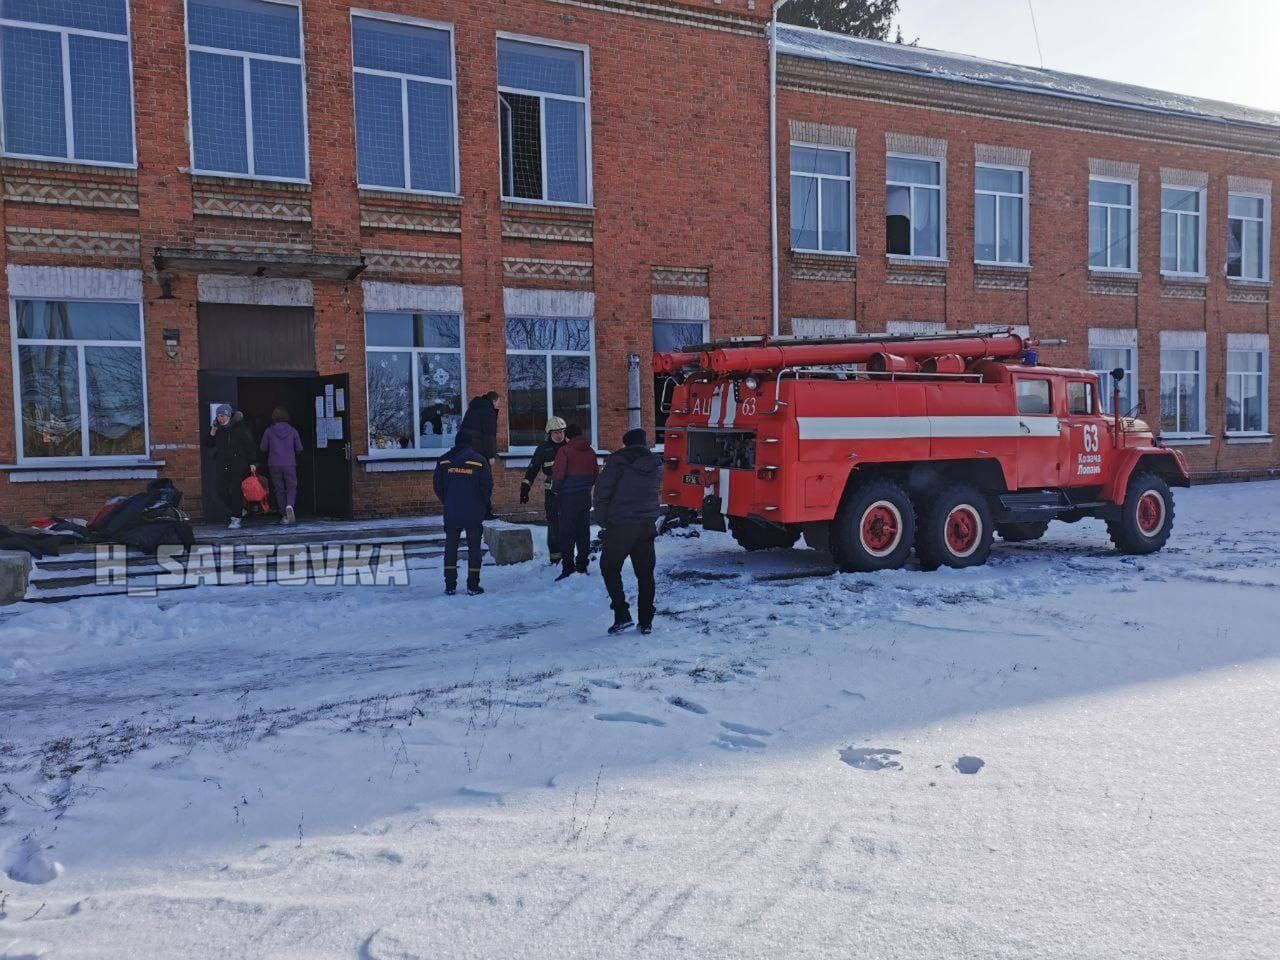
(1064, 754)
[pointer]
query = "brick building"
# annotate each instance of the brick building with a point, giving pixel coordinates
(370, 213)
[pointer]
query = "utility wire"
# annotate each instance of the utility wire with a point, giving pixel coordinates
(1036, 31)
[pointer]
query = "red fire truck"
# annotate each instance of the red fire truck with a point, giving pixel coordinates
(871, 447)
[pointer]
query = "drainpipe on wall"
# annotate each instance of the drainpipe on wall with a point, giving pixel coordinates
(633, 391)
(773, 165)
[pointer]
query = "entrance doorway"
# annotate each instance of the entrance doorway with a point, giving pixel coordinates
(320, 410)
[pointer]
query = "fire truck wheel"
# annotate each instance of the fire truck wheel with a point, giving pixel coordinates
(1146, 517)
(955, 528)
(1022, 532)
(758, 536)
(874, 527)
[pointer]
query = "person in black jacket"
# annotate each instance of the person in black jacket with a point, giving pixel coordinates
(626, 505)
(542, 461)
(233, 451)
(464, 484)
(481, 422)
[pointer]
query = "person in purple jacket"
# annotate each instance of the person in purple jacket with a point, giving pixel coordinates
(282, 445)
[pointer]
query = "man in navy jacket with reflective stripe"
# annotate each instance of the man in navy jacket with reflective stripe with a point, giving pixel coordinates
(464, 484)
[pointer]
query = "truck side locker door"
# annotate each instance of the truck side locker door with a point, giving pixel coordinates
(1088, 442)
(1041, 443)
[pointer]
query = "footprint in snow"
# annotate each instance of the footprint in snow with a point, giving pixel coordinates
(477, 794)
(385, 946)
(871, 758)
(627, 716)
(743, 728)
(684, 704)
(28, 863)
(967, 764)
(735, 741)
(611, 685)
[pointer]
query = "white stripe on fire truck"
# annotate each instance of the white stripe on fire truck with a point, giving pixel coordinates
(717, 406)
(724, 490)
(917, 428)
(730, 408)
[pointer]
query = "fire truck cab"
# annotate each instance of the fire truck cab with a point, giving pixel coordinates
(876, 446)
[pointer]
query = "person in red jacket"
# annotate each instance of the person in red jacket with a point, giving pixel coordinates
(572, 477)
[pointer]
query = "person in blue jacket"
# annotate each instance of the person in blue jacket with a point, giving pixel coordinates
(464, 484)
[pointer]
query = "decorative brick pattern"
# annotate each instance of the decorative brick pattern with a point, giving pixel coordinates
(667, 13)
(1248, 185)
(1113, 286)
(1119, 169)
(830, 269)
(71, 193)
(681, 277)
(530, 268)
(209, 204)
(916, 275)
(1173, 177)
(1009, 156)
(73, 242)
(413, 262)
(541, 228)
(1237, 294)
(1182, 291)
(233, 245)
(807, 131)
(409, 219)
(1000, 280)
(915, 145)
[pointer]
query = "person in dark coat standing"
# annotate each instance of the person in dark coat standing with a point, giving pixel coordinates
(464, 484)
(481, 422)
(572, 476)
(627, 507)
(542, 461)
(233, 450)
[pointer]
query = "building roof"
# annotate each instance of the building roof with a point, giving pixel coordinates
(959, 68)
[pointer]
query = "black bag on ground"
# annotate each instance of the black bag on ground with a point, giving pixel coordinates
(152, 534)
(159, 495)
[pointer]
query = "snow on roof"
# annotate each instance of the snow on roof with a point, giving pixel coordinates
(960, 68)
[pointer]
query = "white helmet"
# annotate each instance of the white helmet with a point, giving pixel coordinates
(555, 423)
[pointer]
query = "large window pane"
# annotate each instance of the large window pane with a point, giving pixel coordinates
(813, 160)
(898, 221)
(541, 68)
(439, 399)
(835, 215)
(431, 165)
(672, 336)
(101, 99)
(1189, 403)
(1097, 236)
(34, 116)
(804, 213)
(379, 131)
(1189, 245)
(984, 227)
(73, 320)
(251, 26)
(1253, 265)
(926, 224)
(526, 399)
(520, 119)
(438, 329)
(113, 380)
(547, 333)
(389, 329)
(279, 138)
(1105, 191)
(1168, 241)
(390, 400)
(400, 48)
(994, 178)
(217, 113)
(571, 390)
(49, 383)
(1120, 239)
(566, 151)
(903, 170)
(1174, 198)
(1010, 240)
(1169, 402)
(103, 16)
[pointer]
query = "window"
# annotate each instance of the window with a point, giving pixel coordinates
(1246, 391)
(1112, 219)
(914, 208)
(1000, 215)
(543, 118)
(1248, 236)
(1034, 398)
(404, 106)
(821, 199)
(1181, 230)
(81, 382)
(1079, 397)
(415, 380)
(1181, 391)
(550, 370)
(670, 336)
(1102, 360)
(67, 81)
(248, 106)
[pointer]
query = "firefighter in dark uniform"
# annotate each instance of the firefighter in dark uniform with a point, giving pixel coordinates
(544, 458)
(464, 484)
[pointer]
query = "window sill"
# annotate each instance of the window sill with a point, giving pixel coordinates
(241, 181)
(410, 196)
(839, 255)
(14, 162)
(1192, 278)
(515, 459)
(399, 462)
(1249, 438)
(897, 259)
(1251, 282)
(584, 210)
(71, 471)
(991, 265)
(1122, 273)
(1189, 440)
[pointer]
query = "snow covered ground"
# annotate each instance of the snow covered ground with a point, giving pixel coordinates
(1065, 754)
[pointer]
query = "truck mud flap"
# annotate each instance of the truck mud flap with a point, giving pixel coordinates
(712, 515)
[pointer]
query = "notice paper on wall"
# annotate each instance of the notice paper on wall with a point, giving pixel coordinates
(340, 400)
(334, 426)
(328, 399)
(319, 411)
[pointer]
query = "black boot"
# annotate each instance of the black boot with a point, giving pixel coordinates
(565, 574)
(474, 590)
(450, 588)
(621, 620)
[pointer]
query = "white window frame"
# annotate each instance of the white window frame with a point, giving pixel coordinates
(1132, 266)
(83, 387)
(941, 187)
(301, 60)
(585, 99)
(1265, 223)
(1200, 352)
(415, 452)
(1130, 368)
(404, 79)
(1201, 216)
(1025, 197)
(68, 119)
(1238, 376)
(548, 354)
(820, 177)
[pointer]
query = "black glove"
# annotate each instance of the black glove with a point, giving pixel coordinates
(524, 493)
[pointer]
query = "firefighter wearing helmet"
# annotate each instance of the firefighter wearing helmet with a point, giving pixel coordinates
(544, 457)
